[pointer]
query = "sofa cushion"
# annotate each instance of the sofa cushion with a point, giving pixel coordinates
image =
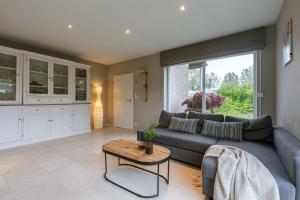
(204, 116)
(258, 129)
(192, 142)
(223, 130)
(183, 125)
(267, 155)
(165, 118)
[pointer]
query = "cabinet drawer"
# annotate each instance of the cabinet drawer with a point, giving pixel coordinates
(35, 109)
(37, 100)
(60, 100)
(59, 109)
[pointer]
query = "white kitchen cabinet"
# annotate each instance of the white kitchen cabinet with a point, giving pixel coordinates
(61, 121)
(61, 82)
(41, 97)
(36, 122)
(81, 117)
(10, 76)
(81, 90)
(22, 125)
(47, 80)
(10, 123)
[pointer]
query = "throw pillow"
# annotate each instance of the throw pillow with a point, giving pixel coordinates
(258, 129)
(204, 116)
(184, 125)
(165, 118)
(223, 130)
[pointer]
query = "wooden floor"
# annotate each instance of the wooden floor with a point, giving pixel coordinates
(72, 169)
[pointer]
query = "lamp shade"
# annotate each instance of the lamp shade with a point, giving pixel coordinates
(98, 110)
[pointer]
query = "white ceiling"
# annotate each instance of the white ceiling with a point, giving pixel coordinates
(98, 32)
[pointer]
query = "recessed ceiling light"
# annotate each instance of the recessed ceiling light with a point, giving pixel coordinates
(182, 8)
(70, 26)
(127, 31)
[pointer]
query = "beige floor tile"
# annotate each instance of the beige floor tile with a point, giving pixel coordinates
(14, 163)
(5, 194)
(73, 177)
(72, 168)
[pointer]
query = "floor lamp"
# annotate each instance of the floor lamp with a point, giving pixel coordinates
(98, 110)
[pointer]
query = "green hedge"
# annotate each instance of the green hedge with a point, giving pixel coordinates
(239, 99)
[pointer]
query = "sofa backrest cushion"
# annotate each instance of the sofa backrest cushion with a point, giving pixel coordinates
(288, 149)
(257, 129)
(223, 130)
(165, 118)
(184, 125)
(204, 116)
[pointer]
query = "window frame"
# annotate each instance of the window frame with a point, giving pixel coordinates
(257, 85)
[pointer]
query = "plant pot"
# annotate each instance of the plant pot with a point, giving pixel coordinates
(148, 147)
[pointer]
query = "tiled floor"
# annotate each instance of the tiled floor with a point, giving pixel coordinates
(72, 168)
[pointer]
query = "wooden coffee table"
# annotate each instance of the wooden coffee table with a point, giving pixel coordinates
(128, 150)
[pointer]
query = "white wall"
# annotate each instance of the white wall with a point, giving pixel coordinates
(288, 78)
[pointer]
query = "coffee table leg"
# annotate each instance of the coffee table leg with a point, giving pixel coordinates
(157, 179)
(105, 163)
(168, 171)
(139, 195)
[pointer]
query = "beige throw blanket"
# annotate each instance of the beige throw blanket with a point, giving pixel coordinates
(241, 176)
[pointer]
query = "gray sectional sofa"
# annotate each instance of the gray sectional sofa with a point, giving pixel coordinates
(275, 147)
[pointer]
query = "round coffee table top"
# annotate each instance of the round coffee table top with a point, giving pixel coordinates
(129, 150)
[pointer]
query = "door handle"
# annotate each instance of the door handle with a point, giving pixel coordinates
(129, 101)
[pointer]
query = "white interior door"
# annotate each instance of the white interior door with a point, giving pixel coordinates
(123, 101)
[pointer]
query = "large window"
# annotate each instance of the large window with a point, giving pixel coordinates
(224, 85)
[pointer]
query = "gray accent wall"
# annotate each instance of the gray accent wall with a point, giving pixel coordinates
(144, 112)
(268, 82)
(288, 78)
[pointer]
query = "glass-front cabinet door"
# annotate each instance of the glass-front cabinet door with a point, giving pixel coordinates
(9, 77)
(60, 79)
(48, 80)
(38, 77)
(82, 86)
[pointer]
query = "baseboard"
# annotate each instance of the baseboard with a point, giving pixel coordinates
(20, 143)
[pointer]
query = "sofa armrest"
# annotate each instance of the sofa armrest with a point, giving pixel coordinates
(288, 149)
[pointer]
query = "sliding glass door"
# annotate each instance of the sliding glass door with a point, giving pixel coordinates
(223, 85)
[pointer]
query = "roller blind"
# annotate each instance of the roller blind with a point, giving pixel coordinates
(231, 44)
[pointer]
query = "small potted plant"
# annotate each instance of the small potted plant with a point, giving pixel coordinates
(149, 133)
